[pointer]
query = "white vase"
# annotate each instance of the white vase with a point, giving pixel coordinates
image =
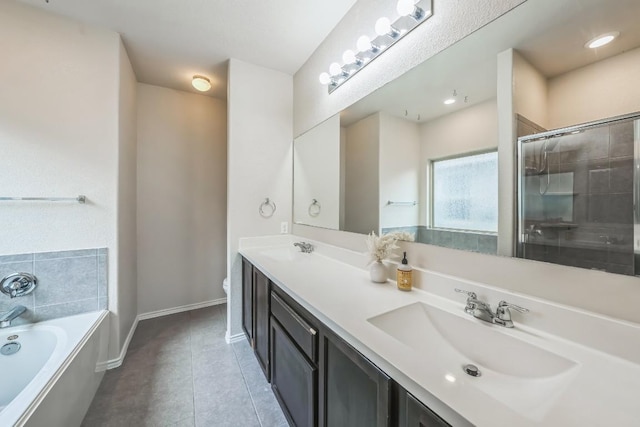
(378, 272)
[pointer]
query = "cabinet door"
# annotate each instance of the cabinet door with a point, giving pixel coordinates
(415, 414)
(293, 379)
(247, 299)
(354, 392)
(261, 292)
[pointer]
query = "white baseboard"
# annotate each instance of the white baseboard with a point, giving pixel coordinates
(115, 363)
(174, 310)
(230, 339)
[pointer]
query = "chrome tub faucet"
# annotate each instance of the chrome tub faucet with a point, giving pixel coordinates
(9, 316)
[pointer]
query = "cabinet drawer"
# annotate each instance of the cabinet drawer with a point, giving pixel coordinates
(300, 331)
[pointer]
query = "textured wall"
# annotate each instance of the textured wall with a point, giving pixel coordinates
(452, 20)
(259, 160)
(182, 192)
(127, 289)
(613, 82)
(60, 130)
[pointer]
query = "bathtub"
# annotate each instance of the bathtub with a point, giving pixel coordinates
(52, 378)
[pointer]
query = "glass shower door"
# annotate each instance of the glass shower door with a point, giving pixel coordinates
(576, 190)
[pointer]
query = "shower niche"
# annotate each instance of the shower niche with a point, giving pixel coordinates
(577, 195)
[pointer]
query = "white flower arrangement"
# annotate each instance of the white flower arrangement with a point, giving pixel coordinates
(381, 247)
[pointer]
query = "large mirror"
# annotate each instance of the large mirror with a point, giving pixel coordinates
(453, 150)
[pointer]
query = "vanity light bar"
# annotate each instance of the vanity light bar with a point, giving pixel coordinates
(411, 14)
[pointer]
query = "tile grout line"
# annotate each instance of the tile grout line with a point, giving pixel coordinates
(246, 384)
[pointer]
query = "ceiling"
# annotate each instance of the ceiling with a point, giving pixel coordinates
(550, 34)
(168, 41)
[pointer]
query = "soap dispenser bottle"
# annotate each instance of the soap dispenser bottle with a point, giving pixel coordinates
(404, 275)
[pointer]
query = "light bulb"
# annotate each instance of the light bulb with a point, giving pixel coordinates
(364, 44)
(383, 26)
(335, 69)
(601, 40)
(201, 83)
(449, 101)
(349, 57)
(405, 7)
(325, 78)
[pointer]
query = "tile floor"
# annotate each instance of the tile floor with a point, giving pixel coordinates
(179, 371)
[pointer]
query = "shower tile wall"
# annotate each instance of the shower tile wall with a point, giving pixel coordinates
(69, 282)
(600, 233)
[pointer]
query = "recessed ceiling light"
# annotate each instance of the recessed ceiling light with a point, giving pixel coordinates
(602, 40)
(450, 378)
(201, 83)
(449, 101)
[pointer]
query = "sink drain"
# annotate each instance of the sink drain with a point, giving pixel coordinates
(10, 348)
(471, 370)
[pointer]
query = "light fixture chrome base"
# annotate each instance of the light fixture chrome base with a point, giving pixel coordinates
(403, 25)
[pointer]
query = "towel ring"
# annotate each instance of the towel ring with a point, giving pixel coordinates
(270, 208)
(314, 208)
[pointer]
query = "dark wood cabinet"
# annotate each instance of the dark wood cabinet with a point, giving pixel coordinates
(293, 378)
(261, 291)
(318, 378)
(256, 288)
(353, 391)
(247, 299)
(412, 413)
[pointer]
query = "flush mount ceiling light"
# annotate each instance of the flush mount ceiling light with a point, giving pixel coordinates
(602, 40)
(411, 14)
(201, 83)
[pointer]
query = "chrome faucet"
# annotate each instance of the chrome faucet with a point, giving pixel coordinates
(305, 247)
(481, 310)
(9, 316)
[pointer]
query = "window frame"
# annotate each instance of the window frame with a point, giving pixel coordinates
(430, 197)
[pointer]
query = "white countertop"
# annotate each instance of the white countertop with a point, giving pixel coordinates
(600, 390)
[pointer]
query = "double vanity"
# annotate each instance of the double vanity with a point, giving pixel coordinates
(341, 350)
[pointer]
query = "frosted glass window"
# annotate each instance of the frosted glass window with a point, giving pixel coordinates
(465, 193)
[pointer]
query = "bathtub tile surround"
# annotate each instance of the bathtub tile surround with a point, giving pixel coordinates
(69, 282)
(206, 383)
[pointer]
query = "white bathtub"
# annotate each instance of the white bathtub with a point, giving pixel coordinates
(51, 380)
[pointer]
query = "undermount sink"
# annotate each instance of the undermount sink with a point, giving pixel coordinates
(520, 374)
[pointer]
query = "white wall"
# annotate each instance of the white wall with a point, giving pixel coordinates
(259, 159)
(604, 89)
(506, 152)
(61, 132)
(316, 175)
(399, 171)
(472, 129)
(362, 149)
(58, 131)
(469, 130)
(126, 225)
(181, 198)
(452, 20)
(530, 96)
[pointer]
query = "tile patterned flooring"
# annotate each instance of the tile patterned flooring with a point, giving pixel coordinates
(179, 371)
